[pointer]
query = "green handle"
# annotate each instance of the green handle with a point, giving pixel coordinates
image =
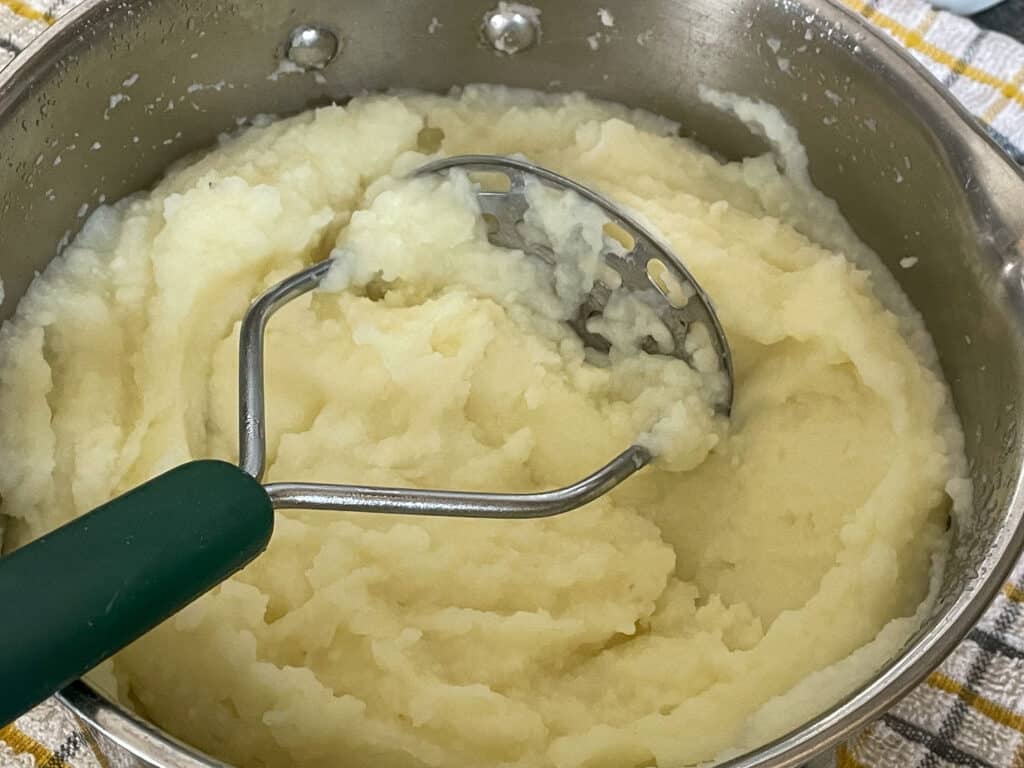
(79, 594)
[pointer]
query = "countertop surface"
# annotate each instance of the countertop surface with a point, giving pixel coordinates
(1007, 17)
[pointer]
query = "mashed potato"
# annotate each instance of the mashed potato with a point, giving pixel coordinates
(761, 571)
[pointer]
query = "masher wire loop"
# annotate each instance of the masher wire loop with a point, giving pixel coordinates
(508, 208)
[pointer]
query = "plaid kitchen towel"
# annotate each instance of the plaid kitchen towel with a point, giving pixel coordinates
(984, 70)
(971, 711)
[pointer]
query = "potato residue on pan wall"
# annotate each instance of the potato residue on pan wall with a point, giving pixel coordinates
(704, 607)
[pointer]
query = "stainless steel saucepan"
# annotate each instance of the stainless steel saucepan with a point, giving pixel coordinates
(911, 172)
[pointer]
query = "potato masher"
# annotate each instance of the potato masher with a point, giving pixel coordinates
(84, 591)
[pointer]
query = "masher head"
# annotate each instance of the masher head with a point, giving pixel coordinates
(641, 265)
(639, 262)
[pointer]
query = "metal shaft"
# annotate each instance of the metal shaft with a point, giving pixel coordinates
(252, 437)
(408, 501)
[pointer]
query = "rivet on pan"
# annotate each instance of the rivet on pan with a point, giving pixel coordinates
(312, 47)
(511, 27)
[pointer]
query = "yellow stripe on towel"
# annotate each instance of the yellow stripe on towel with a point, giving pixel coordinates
(1013, 592)
(23, 744)
(989, 115)
(915, 41)
(994, 712)
(26, 11)
(845, 758)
